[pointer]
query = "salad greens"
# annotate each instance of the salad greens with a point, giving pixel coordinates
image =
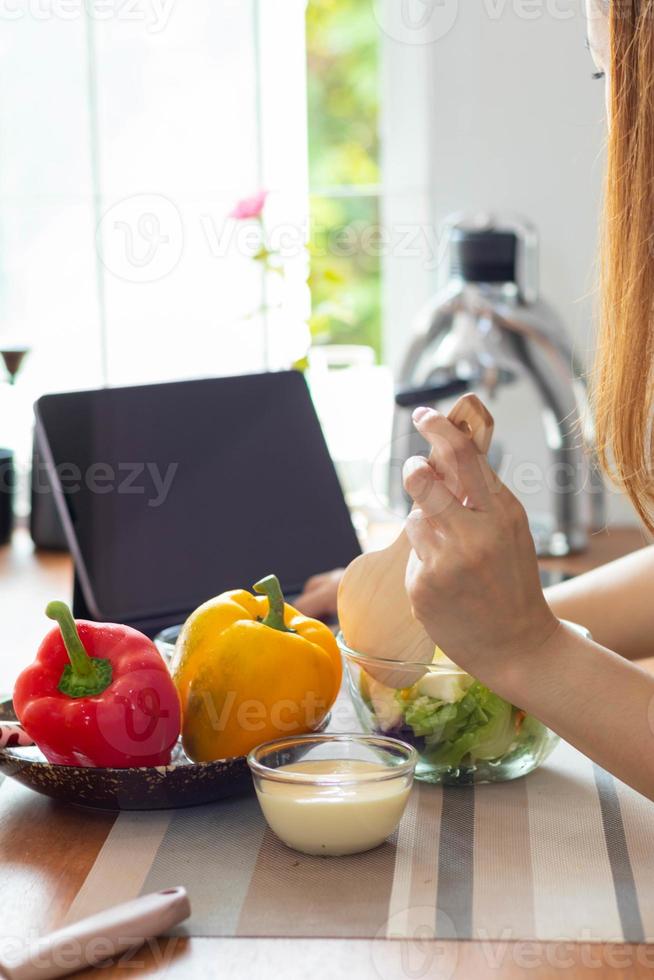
(467, 723)
(480, 725)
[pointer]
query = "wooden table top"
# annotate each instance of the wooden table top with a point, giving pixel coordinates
(47, 850)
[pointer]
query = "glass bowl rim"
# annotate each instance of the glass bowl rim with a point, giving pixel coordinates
(406, 768)
(363, 659)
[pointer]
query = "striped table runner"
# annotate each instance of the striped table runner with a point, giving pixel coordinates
(565, 854)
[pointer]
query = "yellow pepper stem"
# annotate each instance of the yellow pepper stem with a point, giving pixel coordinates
(269, 586)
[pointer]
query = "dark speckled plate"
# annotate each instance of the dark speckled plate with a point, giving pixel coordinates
(182, 783)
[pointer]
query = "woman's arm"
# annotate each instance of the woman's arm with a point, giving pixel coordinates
(615, 602)
(473, 582)
(320, 593)
(593, 698)
(589, 599)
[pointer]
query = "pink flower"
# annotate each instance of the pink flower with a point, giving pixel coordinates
(249, 207)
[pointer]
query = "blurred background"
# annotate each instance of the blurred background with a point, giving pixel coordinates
(130, 132)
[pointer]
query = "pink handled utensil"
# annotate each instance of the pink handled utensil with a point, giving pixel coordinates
(99, 937)
(13, 736)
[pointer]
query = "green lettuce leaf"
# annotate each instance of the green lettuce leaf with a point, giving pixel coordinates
(480, 726)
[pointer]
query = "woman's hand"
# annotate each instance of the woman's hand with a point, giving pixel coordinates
(472, 577)
(320, 593)
(473, 581)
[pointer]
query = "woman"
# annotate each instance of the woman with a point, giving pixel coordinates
(473, 577)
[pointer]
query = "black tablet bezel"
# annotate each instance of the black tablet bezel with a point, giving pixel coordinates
(86, 589)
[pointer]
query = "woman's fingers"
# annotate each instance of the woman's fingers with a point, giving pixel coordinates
(420, 533)
(429, 492)
(454, 455)
(319, 596)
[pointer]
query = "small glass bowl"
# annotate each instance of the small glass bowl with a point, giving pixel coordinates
(165, 641)
(462, 731)
(333, 794)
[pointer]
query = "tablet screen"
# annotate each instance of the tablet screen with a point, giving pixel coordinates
(176, 492)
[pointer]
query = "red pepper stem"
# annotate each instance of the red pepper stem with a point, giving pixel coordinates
(270, 587)
(84, 676)
(79, 658)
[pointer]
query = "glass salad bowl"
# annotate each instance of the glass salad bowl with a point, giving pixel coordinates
(462, 731)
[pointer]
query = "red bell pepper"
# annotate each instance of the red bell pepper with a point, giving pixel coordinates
(98, 694)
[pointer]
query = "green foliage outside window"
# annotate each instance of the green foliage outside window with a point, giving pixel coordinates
(343, 103)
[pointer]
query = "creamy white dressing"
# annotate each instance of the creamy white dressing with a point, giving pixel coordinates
(337, 818)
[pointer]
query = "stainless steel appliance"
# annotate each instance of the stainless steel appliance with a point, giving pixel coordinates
(488, 331)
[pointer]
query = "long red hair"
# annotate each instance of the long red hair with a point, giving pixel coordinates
(624, 373)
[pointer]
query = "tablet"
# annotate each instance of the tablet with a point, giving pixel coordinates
(172, 493)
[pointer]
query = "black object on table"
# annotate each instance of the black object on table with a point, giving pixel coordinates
(46, 529)
(171, 493)
(7, 491)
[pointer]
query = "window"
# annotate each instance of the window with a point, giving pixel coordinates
(128, 132)
(344, 173)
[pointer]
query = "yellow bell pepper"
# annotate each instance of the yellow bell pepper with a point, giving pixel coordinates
(252, 668)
